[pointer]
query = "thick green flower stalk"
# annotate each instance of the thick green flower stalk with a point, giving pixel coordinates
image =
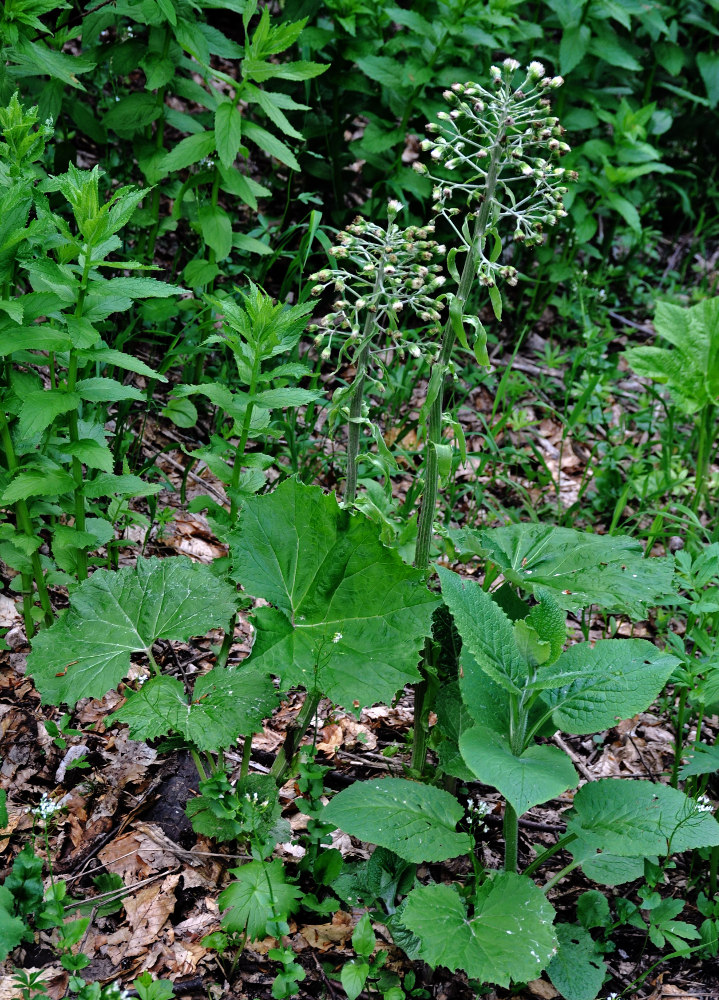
(502, 144)
(383, 274)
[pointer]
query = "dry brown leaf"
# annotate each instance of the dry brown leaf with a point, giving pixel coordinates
(326, 936)
(147, 910)
(542, 989)
(54, 979)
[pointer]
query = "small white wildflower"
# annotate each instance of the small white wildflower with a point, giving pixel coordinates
(46, 808)
(336, 637)
(395, 206)
(535, 70)
(704, 804)
(511, 64)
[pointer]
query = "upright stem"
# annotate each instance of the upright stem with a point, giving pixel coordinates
(244, 435)
(72, 424)
(434, 426)
(679, 737)
(425, 525)
(706, 420)
(284, 759)
(511, 838)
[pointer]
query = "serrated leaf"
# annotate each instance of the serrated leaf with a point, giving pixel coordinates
(12, 929)
(91, 453)
(635, 819)
(216, 229)
(228, 132)
(106, 390)
(125, 485)
(597, 686)
(286, 397)
(416, 822)
(541, 773)
(578, 969)
(225, 704)
(350, 616)
(270, 144)
(40, 408)
(485, 629)
(190, 150)
(258, 894)
(115, 614)
(509, 936)
(578, 567)
(37, 483)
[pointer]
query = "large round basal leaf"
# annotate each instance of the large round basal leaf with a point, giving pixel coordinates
(580, 568)
(225, 704)
(577, 970)
(115, 614)
(600, 685)
(635, 819)
(258, 894)
(349, 618)
(415, 821)
(509, 937)
(540, 774)
(486, 631)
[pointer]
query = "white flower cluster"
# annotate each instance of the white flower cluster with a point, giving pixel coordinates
(506, 140)
(477, 809)
(382, 272)
(45, 809)
(704, 804)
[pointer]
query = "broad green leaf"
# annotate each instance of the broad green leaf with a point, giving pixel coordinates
(415, 821)
(125, 486)
(228, 132)
(508, 937)
(106, 390)
(485, 629)
(40, 408)
(132, 113)
(385, 70)
(115, 614)
(225, 704)
(190, 150)
(578, 567)
(635, 819)
(37, 483)
(12, 929)
(37, 58)
(109, 356)
(573, 47)
(452, 720)
(286, 397)
(91, 453)
(541, 773)
(349, 617)
(708, 66)
(137, 288)
(486, 701)
(216, 229)
(353, 977)
(701, 759)
(578, 969)
(597, 686)
(257, 895)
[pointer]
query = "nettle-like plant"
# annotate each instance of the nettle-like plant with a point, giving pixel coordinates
(255, 330)
(690, 371)
(56, 300)
(516, 687)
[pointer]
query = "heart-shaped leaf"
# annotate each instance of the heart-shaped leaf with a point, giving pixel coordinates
(635, 819)
(541, 773)
(509, 936)
(415, 821)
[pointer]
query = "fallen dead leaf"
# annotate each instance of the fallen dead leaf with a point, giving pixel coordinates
(542, 989)
(326, 936)
(147, 910)
(54, 980)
